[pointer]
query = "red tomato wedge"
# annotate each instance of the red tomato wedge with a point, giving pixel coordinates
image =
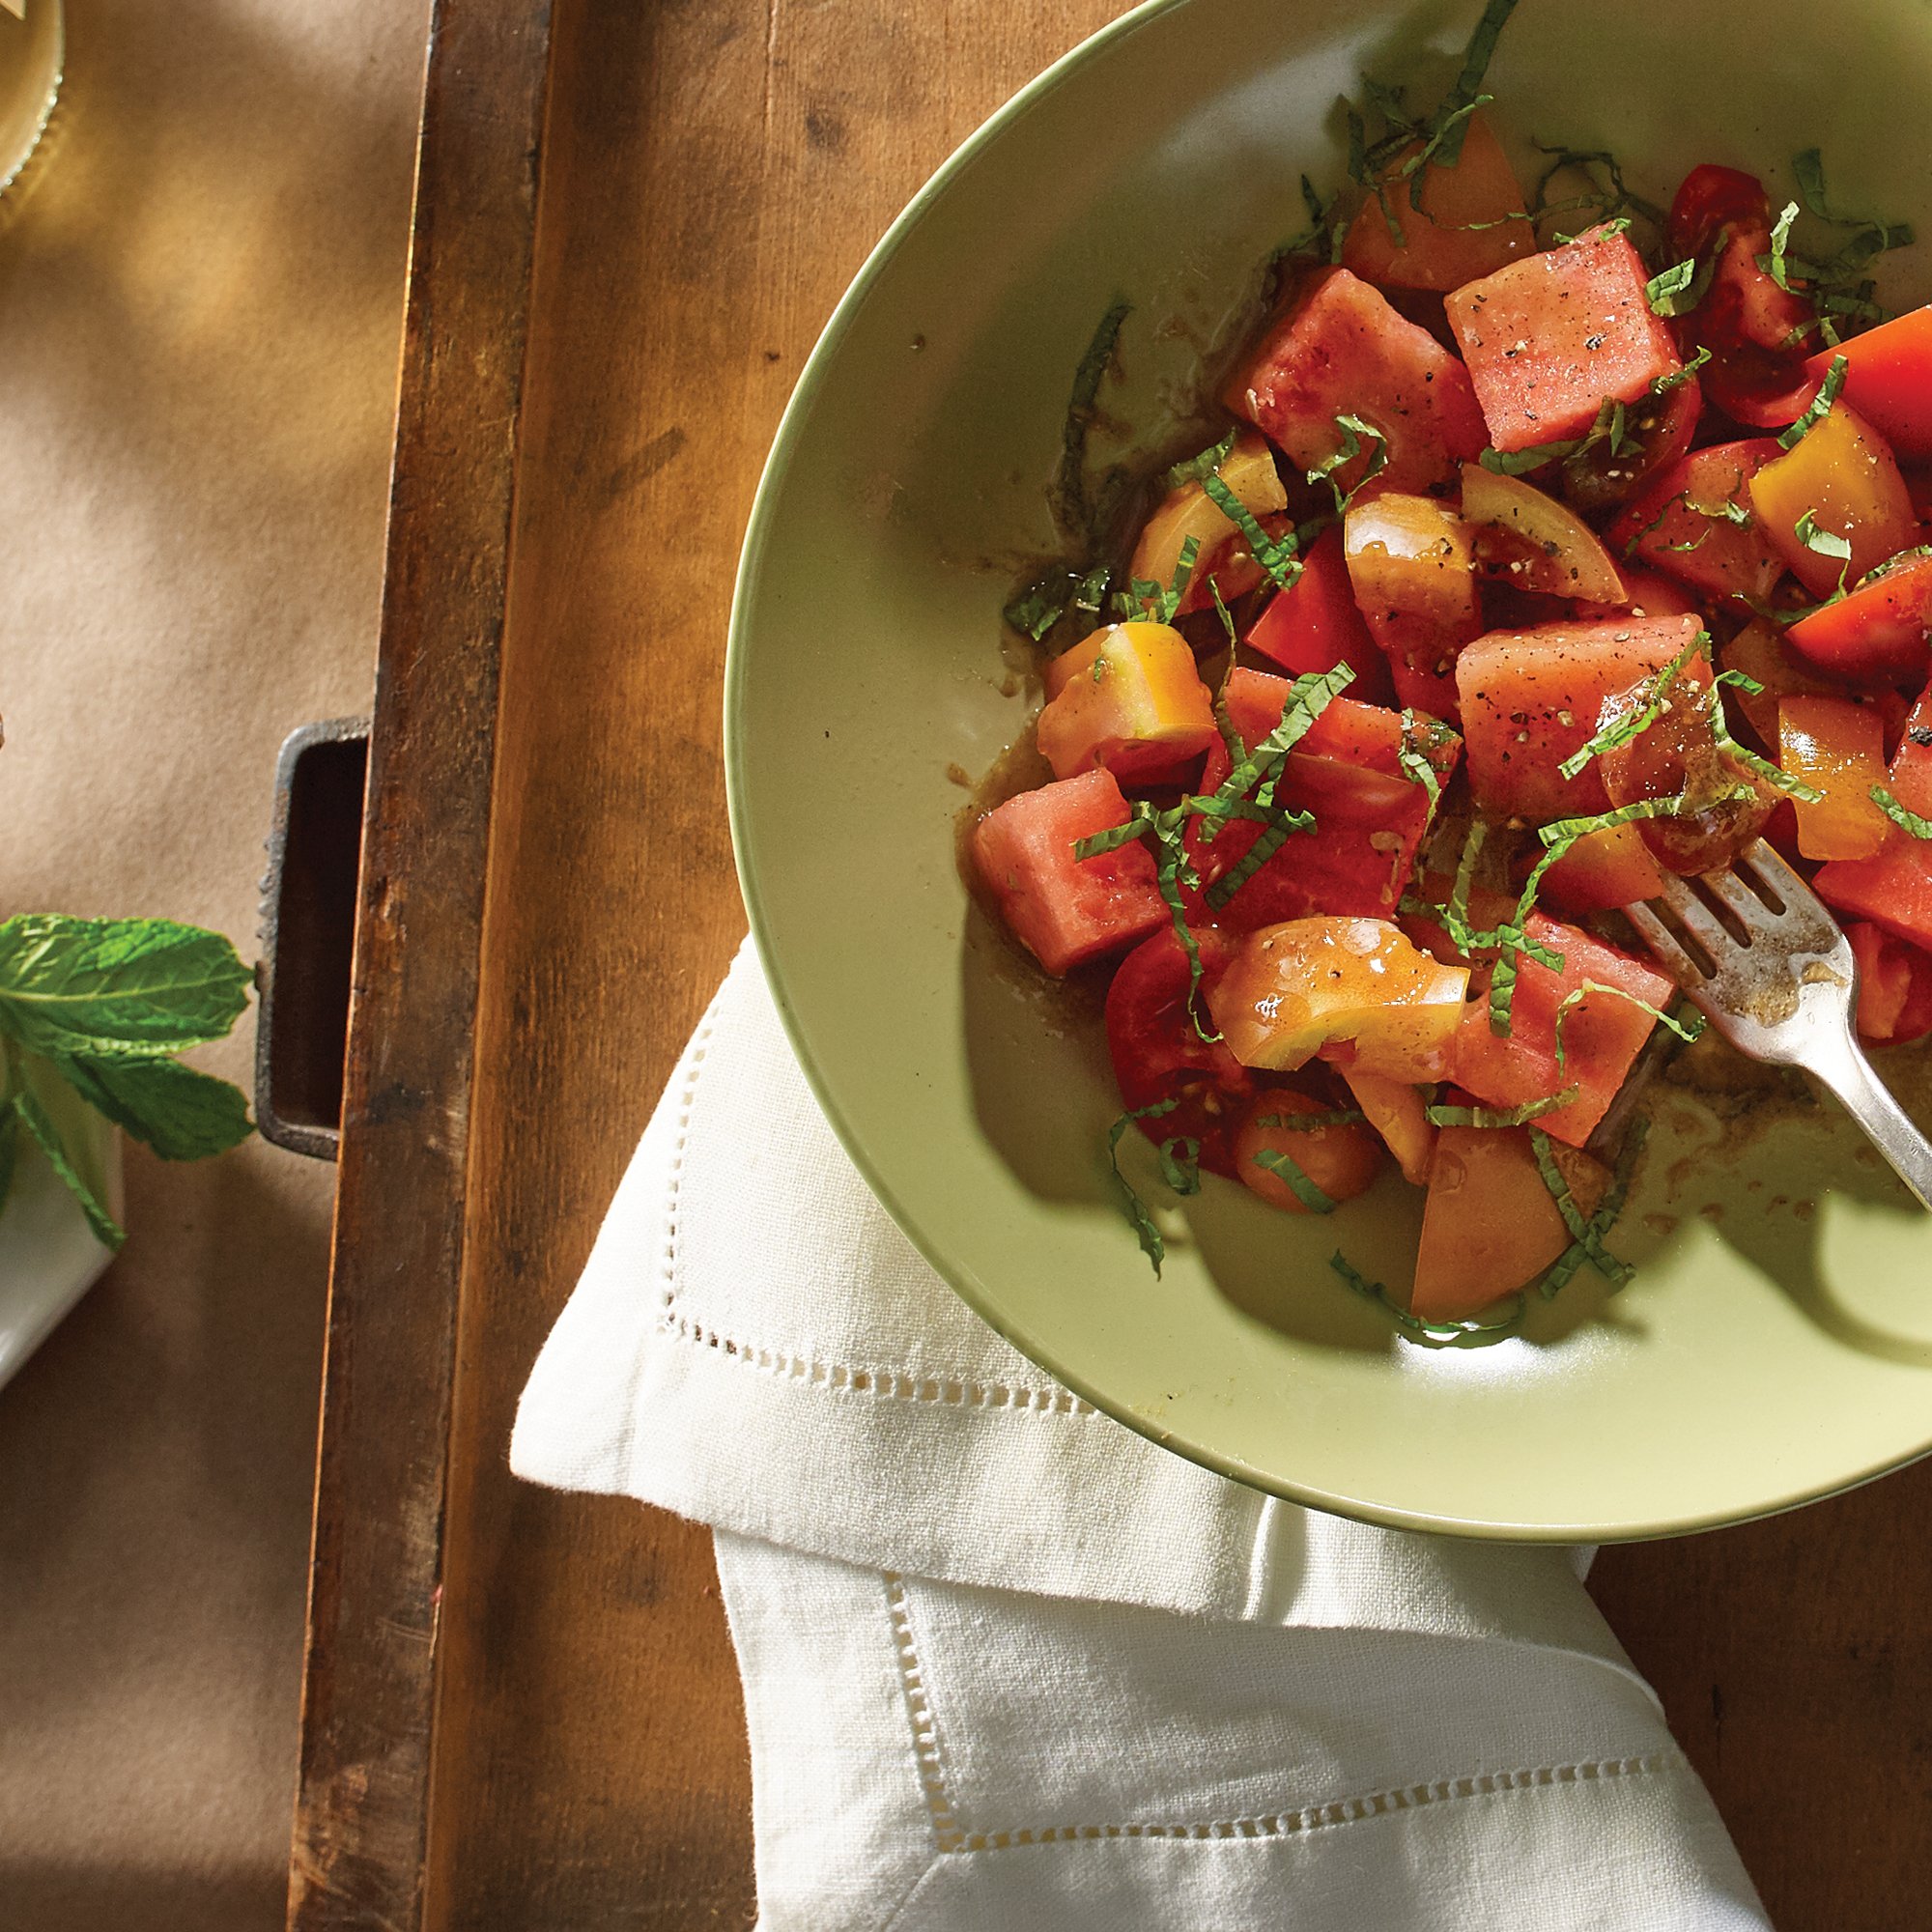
(1603, 1034)
(1066, 910)
(1894, 985)
(1889, 380)
(1683, 524)
(1531, 699)
(1398, 1113)
(1249, 473)
(1315, 624)
(1342, 350)
(1158, 1054)
(1550, 338)
(1661, 428)
(1491, 1224)
(1470, 221)
(1348, 771)
(1880, 630)
(1843, 477)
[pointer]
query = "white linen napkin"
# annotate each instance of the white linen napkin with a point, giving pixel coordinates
(1007, 1662)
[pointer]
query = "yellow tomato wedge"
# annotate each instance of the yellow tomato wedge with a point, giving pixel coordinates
(1836, 746)
(1413, 567)
(1534, 542)
(1294, 988)
(1130, 698)
(1249, 473)
(1760, 651)
(1397, 1112)
(1491, 1226)
(1841, 475)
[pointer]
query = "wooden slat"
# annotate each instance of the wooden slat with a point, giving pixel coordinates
(713, 173)
(362, 1808)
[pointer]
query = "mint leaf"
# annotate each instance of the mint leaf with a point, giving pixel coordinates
(127, 985)
(58, 1121)
(181, 1114)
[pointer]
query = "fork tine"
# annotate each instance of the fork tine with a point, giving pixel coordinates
(1768, 863)
(1740, 897)
(1697, 919)
(1664, 943)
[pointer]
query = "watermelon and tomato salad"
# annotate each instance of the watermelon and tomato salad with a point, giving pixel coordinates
(1549, 541)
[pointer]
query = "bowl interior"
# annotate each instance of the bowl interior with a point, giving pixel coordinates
(1776, 1340)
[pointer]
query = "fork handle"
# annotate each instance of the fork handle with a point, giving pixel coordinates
(1849, 1074)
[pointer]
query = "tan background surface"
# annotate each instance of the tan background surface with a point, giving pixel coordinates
(200, 299)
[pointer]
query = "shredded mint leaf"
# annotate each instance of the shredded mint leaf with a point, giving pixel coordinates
(1308, 1123)
(1416, 764)
(1821, 406)
(1353, 429)
(1677, 378)
(1153, 1244)
(1181, 1164)
(1617, 199)
(1222, 611)
(1650, 708)
(117, 985)
(1036, 612)
(1068, 496)
(1588, 1246)
(1275, 555)
(1287, 1171)
(1773, 774)
(1674, 292)
(1907, 821)
(1507, 1117)
(1307, 697)
(1586, 1238)
(1775, 264)
(1208, 463)
(1435, 1333)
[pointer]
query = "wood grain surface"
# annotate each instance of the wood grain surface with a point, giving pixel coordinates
(714, 171)
(363, 1804)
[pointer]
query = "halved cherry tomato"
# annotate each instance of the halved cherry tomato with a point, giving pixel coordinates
(1531, 540)
(1158, 1055)
(1660, 427)
(1341, 1161)
(1712, 198)
(1679, 754)
(1881, 630)
(1294, 988)
(1841, 474)
(1889, 380)
(1835, 746)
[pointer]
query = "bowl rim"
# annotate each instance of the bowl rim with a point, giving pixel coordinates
(963, 1280)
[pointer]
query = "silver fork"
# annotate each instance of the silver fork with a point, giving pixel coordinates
(1759, 952)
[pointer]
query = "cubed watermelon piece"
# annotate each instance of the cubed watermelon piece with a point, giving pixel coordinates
(1067, 910)
(1348, 771)
(1315, 624)
(1678, 523)
(1549, 339)
(1602, 1035)
(1530, 698)
(1342, 350)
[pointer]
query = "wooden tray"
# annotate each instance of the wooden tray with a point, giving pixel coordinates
(520, 1708)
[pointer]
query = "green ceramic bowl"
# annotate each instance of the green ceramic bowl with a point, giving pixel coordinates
(1776, 1345)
